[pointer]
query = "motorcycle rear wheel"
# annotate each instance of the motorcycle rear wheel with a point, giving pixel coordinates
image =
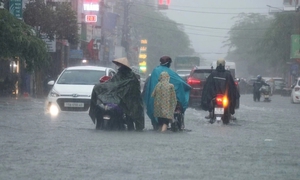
(226, 118)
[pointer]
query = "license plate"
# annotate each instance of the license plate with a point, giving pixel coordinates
(72, 104)
(266, 96)
(219, 110)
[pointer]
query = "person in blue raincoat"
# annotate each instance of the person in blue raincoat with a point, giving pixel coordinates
(181, 87)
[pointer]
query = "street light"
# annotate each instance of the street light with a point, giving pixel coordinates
(277, 10)
(274, 7)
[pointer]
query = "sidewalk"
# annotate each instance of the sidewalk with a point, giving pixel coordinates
(12, 99)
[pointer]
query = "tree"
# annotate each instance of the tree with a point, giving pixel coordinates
(245, 39)
(61, 22)
(66, 23)
(277, 42)
(18, 40)
(165, 37)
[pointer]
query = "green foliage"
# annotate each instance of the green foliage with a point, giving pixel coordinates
(61, 22)
(37, 14)
(265, 48)
(164, 35)
(245, 40)
(18, 40)
(278, 38)
(66, 23)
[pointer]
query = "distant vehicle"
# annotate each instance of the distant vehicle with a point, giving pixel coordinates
(186, 62)
(196, 80)
(228, 66)
(277, 84)
(183, 73)
(73, 88)
(295, 95)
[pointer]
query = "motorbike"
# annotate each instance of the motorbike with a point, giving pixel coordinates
(177, 123)
(110, 116)
(220, 109)
(266, 92)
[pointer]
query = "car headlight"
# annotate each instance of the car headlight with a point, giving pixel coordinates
(53, 93)
(53, 110)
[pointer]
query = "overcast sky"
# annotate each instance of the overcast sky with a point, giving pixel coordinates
(201, 13)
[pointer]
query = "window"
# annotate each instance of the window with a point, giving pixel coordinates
(202, 74)
(85, 77)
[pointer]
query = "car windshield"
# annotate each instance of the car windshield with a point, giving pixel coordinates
(278, 82)
(183, 71)
(84, 77)
(232, 71)
(202, 73)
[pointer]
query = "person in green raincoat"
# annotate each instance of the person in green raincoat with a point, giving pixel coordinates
(122, 89)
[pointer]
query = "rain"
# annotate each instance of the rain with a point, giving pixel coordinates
(77, 77)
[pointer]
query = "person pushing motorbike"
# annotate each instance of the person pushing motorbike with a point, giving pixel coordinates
(181, 87)
(220, 81)
(122, 89)
(257, 86)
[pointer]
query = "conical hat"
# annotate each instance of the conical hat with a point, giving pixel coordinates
(122, 61)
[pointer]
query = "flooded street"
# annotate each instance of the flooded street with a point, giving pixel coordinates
(261, 144)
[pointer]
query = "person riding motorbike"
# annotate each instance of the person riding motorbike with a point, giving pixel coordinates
(181, 87)
(122, 89)
(220, 81)
(256, 87)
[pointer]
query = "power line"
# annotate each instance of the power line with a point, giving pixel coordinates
(207, 35)
(203, 12)
(204, 27)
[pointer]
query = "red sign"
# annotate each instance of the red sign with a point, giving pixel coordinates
(164, 2)
(91, 18)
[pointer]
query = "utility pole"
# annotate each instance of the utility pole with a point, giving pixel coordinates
(126, 30)
(103, 47)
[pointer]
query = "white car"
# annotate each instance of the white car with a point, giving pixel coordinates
(295, 95)
(73, 88)
(183, 73)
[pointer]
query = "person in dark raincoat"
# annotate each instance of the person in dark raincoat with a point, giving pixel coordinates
(220, 81)
(122, 89)
(256, 87)
(181, 87)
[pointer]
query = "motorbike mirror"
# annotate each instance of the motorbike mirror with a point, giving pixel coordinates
(292, 86)
(104, 79)
(51, 83)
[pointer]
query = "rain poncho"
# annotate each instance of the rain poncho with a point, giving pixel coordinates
(164, 97)
(181, 87)
(219, 81)
(123, 89)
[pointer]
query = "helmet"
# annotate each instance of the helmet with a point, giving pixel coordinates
(221, 62)
(258, 77)
(165, 60)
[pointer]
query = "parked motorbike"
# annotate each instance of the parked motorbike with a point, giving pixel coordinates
(220, 109)
(266, 92)
(177, 123)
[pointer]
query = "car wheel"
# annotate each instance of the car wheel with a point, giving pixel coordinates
(292, 100)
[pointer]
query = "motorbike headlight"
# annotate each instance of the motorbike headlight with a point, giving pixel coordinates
(53, 93)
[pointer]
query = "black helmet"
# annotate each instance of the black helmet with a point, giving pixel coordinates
(165, 60)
